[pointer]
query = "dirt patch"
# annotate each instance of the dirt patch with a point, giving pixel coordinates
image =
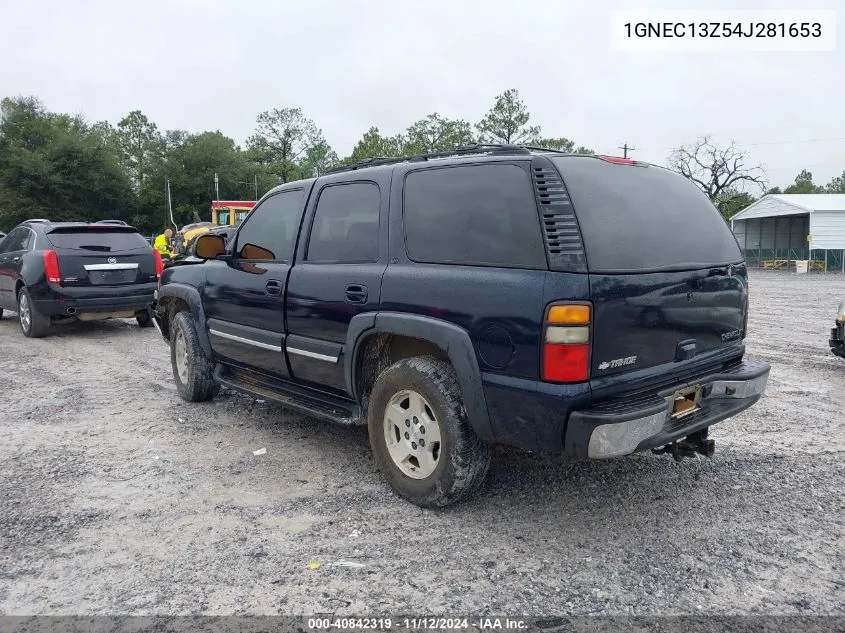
(117, 497)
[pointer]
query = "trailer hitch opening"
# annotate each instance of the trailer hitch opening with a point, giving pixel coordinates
(695, 443)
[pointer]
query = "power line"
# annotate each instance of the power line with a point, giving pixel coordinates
(793, 142)
(825, 165)
(808, 140)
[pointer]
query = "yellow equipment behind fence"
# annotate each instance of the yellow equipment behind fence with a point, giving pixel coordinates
(230, 212)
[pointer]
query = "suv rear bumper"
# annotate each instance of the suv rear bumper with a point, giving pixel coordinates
(837, 339)
(634, 423)
(96, 300)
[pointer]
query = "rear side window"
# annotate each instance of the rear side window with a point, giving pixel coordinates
(636, 219)
(270, 232)
(476, 215)
(17, 240)
(96, 239)
(346, 224)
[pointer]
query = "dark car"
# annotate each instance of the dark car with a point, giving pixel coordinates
(837, 334)
(493, 295)
(52, 271)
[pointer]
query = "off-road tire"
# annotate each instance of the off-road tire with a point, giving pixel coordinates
(197, 383)
(464, 458)
(39, 324)
(144, 318)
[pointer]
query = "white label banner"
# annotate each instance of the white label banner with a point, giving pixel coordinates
(723, 30)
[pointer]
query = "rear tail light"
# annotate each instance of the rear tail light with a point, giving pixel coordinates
(159, 263)
(51, 267)
(566, 343)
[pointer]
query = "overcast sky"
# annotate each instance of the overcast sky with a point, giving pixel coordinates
(350, 64)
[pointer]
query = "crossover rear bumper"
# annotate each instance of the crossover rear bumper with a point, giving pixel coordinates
(837, 339)
(96, 301)
(634, 423)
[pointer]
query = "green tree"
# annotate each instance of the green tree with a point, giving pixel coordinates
(836, 185)
(319, 159)
(59, 167)
(282, 141)
(730, 201)
(804, 184)
(190, 166)
(774, 190)
(139, 143)
(374, 145)
(507, 122)
(564, 144)
(174, 138)
(435, 133)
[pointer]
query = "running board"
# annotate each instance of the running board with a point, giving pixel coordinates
(302, 399)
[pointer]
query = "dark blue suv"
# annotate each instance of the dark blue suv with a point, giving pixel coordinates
(589, 305)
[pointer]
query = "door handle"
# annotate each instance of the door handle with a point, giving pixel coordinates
(356, 293)
(16, 259)
(273, 288)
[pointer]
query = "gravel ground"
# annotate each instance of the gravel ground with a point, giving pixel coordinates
(116, 497)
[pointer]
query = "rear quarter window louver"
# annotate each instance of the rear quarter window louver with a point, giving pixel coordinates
(562, 235)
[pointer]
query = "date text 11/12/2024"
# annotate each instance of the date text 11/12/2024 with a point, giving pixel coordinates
(417, 624)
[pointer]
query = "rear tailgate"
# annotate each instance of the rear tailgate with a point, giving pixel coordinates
(102, 255)
(667, 279)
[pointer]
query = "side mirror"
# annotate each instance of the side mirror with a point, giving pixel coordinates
(210, 246)
(251, 251)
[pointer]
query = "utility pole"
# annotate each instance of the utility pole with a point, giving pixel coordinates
(255, 176)
(170, 205)
(625, 148)
(216, 187)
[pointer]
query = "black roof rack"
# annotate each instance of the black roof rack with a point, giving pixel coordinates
(463, 150)
(538, 148)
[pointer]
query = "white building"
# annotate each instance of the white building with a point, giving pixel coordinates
(781, 228)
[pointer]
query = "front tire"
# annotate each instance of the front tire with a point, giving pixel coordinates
(193, 371)
(421, 439)
(33, 323)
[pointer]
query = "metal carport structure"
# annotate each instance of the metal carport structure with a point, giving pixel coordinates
(779, 229)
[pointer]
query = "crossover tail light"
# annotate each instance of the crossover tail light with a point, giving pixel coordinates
(566, 343)
(159, 263)
(51, 267)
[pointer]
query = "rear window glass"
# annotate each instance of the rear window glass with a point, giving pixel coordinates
(105, 240)
(346, 224)
(644, 218)
(483, 215)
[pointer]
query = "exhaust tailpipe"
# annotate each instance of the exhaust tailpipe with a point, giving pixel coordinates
(71, 311)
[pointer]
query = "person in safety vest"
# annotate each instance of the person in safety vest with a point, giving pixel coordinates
(162, 242)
